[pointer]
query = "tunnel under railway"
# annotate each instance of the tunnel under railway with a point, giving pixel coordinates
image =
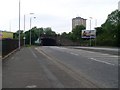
(48, 42)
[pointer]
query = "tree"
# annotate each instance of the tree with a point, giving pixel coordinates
(108, 32)
(64, 34)
(118, 29)
(76, 32)
(16, 34)
(37, 33)
(48, 31)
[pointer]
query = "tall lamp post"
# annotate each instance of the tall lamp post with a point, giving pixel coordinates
(24, 30)
(30, 26)
(19, 24)
(90, 30)
(95, 31)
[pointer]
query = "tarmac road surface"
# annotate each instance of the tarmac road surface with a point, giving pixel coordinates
(59, 67)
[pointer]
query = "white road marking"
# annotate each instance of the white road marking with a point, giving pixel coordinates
(31, 86)
(58, 47)
(110, 55)
(90, 52)
(34, 54)
(113, 56)
(54, 80)
(74, 54)
(105, 54)
(36, 48)
(43, 53)
(102, 61)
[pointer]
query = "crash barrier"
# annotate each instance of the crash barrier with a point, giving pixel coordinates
(8, 45)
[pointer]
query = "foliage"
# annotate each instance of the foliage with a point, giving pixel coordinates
(64, 34)
(48, 31)
(16, 34)
(107, 34)
(35, 34)
(76, 32)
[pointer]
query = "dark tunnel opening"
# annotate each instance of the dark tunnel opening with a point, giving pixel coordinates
(48, 42)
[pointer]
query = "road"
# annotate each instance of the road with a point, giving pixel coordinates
(113, 51)
(60, 67)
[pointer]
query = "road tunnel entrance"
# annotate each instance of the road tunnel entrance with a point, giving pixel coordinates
(48, 42)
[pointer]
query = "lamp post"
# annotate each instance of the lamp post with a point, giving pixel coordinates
(30, 26)
(95, 31)
(90, 30)
(10, 26)
(19, 24)
(24, 30)
(30, 30)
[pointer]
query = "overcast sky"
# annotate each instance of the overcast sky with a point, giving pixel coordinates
(56, 14)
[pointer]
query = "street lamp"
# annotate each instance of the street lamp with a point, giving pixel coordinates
(24, 30)
(95, 31)
(90, 30)
(19, 24)
(30, 26)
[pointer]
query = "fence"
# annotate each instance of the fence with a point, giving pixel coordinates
(8, 45)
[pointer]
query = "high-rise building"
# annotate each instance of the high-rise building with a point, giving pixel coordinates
(78, 21)
(119, 5)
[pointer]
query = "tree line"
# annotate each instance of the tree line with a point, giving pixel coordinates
(108, 34)
(35, 34)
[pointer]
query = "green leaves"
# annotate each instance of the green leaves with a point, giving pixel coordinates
(77, 32)
(107, 34)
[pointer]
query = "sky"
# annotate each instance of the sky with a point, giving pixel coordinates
(56, 14)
